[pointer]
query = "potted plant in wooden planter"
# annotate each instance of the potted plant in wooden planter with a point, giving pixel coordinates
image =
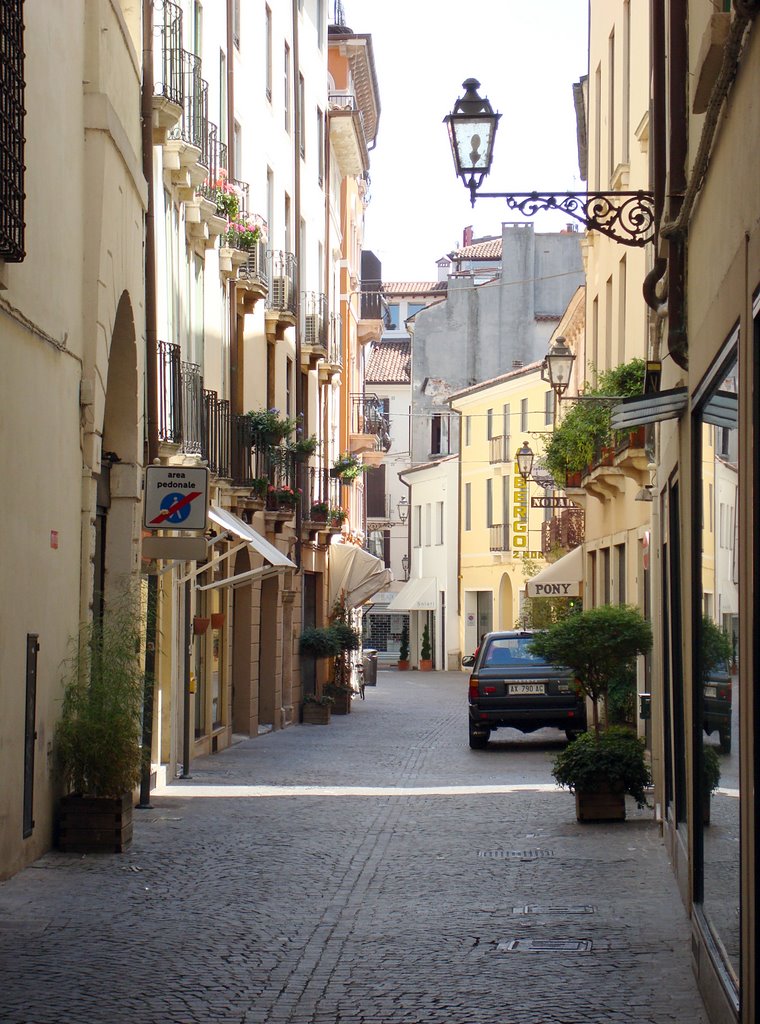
(403, 648)
(97, 741)
(600, 770)
(426, 654)
(600, 645)
(318, 511)
(710, 778)
(346, 467)
(341, 697)
(316, 709)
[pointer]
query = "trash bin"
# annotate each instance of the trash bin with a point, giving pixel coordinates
(370, 667)
(645, 706)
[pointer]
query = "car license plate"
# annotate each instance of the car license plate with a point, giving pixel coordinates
(711, 691)
(524, 688)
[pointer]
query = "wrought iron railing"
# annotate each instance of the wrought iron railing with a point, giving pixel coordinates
(192, 408)
(216, 433)
(255, 266)
(319, 486)
(499, 537)
(368, 416)
(12, 224)
(335, 341)
(167, 51)
(247, 455)
(339, 15)
(216, 182)
(565, 530)
(282, 281)
(193, 127)
(169, 393)
(499, 448)
(314, 306)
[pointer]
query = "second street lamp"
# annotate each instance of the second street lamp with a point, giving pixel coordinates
(558, 365)
(524, 459)
(626, 217)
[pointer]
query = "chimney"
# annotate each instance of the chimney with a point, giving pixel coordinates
(467, 236)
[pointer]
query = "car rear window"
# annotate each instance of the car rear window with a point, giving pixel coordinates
(510, 651)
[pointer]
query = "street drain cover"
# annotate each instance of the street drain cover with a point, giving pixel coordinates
(540, 908)
(515, 854)
(545, 946)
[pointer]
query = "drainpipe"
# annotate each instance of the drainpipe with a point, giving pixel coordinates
(299, 381)
(678, 343)
(151, 386)
(236, 369)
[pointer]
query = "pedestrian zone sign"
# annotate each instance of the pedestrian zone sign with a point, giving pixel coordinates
(176, 498)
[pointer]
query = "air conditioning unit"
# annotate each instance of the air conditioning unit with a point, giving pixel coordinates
(311, 330)
(281, 287)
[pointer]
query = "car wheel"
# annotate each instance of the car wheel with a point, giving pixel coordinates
(724, 735)
(478, 740)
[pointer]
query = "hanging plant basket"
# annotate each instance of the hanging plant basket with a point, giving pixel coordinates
(200, 625)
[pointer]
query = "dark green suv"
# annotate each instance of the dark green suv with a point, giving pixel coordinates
(511, 687)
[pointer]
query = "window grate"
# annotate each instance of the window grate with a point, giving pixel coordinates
(12, 131)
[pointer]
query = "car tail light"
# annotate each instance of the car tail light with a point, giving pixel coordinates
(473, 688)
(724, 692)
(490, 690)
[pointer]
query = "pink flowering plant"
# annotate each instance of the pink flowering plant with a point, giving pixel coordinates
(284, 495)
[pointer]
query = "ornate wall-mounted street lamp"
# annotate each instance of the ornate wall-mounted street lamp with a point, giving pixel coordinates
(524, 457)
(626, 217)
(557, 367)
(403, 510)
(405, 566)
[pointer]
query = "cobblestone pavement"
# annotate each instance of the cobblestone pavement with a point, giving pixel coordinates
(374, 871)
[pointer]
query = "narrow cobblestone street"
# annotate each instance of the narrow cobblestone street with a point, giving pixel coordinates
(375, 871)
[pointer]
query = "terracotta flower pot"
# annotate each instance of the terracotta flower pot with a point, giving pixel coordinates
(426, 664)
(200, 625)
(403, 666)
(217, 620)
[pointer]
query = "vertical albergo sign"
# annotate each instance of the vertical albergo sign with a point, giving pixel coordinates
(519, 511)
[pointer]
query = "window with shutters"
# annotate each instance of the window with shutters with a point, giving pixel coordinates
(12, 131)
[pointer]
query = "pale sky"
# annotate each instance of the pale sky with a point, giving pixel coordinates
(526, 54)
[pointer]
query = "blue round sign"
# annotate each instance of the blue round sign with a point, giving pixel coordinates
(181, 514)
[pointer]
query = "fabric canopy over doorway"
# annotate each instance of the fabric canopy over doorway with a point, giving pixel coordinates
(275, 560)
(416, 596)
(563, 578)
(355, 575)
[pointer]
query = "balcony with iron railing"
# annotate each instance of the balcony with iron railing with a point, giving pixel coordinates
(499, 449)
(168, 84)
(187, 151)
(333, 361)
(282, 300)
(321, 501)
(217, 439)
(348, 137)
(169, 394)
(565, 530)
(499, 537)
(191, 382)
(370, 429)
(314, 337)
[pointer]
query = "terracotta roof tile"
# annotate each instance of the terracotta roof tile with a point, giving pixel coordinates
(488, 249)
(414, 287)
(390, 363)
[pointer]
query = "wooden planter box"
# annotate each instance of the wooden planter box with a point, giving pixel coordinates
(316, 714)
(89, 824)
(600, 805)
(341, 702)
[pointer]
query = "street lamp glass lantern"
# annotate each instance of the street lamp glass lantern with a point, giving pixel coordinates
(559, 366)
(403, 510)
(405, 566)
(472, 128)
(524, 458)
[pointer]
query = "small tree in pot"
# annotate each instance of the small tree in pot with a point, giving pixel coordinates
(600, 645)
(403, 648)
(97, 742)
(426, 654)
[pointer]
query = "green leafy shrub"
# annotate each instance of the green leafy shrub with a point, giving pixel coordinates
(586, 428)
(710, 769)
(347, 638)
(425, 650)
(97, 740)
(403, 650)
(598, 645)
(319, 642)
(616, 756)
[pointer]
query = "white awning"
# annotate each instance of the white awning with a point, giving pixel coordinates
(277, 561)
(416, 596)
(355, 575)
(563, 578)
